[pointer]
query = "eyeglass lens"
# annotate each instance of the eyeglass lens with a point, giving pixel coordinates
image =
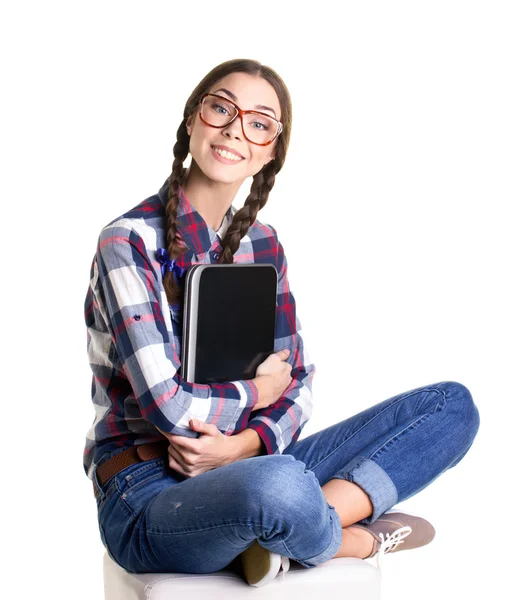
(257, 127)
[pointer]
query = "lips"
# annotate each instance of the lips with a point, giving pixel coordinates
(220, 147)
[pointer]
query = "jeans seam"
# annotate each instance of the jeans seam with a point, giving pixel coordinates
(135, 486)
(439, 406)
(124, 491)
(410, 425)
(373, 418)
(103, 498)
(315, 555)
(287, 548)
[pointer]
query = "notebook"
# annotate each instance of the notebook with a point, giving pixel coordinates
(228, 322)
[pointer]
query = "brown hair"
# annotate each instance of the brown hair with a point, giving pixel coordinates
(263, 181)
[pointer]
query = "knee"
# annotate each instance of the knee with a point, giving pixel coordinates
(281, 481)
(461, 401)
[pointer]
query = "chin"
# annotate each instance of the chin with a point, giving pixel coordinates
(224, 174)
(222, 177)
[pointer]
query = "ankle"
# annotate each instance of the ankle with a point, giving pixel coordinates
(356, 543)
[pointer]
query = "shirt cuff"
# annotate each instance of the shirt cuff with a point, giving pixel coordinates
(249, 397)
(261, 430)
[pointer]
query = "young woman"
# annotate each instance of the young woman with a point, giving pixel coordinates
(190, 477)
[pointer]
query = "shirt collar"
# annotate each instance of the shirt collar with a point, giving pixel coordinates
(196, 233)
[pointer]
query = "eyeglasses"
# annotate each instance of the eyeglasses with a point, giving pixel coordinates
(257, 127)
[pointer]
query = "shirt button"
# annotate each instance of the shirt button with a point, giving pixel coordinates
(215, 255)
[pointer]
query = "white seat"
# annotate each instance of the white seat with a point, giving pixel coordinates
(340, 577)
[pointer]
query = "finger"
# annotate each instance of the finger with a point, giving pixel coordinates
(189, 447)
(177, 455)
(207, 428)
(183, 442)
(284, 353)
(175, 466)
(180, 460)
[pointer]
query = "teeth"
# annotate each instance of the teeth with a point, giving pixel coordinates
(228, 155)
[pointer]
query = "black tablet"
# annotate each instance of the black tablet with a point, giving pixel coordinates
(229, 321)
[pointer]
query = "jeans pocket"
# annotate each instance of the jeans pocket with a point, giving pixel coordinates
(140, 483)
(107, 491)
(135, 477)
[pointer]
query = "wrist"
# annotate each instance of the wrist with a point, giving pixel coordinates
(246, 444)
(261, 382)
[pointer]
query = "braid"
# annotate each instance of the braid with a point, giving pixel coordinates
(262, 184)
(175, 244)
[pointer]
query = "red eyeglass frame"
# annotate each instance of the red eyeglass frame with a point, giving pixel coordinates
(240, 114)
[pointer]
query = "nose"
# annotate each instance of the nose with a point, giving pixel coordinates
(234, 128)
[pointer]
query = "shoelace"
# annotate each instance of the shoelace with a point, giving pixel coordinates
(285, 566)
(391, 542)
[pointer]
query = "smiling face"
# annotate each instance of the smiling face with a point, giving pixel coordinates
(247, 92)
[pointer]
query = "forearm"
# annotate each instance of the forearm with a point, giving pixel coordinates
(265, 391)
(247, 443)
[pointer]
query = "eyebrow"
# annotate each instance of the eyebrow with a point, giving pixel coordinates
(234, 98)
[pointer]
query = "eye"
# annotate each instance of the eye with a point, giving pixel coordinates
(215, 106)
(263, 127)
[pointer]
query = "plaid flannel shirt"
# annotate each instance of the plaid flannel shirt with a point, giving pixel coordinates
(134, 339)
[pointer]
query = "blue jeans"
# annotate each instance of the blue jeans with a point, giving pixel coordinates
(152, 519)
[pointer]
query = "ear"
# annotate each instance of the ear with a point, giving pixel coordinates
(189, 124)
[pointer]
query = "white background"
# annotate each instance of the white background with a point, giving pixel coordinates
(401, 207)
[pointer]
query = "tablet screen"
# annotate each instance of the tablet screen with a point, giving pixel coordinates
(230, 321)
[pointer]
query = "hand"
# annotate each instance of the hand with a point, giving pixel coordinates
(272, 378)
(193, 456)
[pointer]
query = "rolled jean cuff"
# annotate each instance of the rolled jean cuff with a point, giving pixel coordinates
(375, 482)
(334, 544)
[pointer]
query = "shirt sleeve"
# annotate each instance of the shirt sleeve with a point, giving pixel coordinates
(280, 424)
(127, 293)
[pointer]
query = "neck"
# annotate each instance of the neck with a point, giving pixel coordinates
(210, 198)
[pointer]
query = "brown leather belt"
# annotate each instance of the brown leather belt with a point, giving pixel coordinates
(130, 456)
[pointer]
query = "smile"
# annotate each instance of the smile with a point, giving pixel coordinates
(226, 155)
